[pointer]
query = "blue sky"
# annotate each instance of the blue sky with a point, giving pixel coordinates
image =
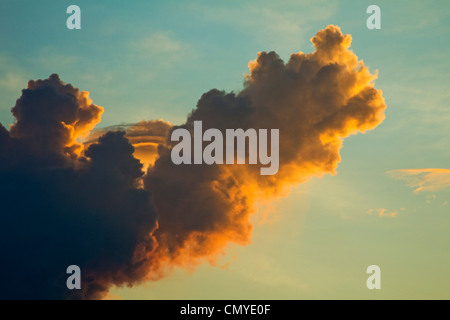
(154, 59)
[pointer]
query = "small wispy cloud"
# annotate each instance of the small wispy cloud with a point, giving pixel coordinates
(13, 81)
(274, 24)
(111, 296)
(423, 179)
(162, 44)
(382, 212)
(13, 76)
(430, 198)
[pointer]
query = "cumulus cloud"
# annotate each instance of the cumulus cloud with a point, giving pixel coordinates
(59, 208)
(423, 179)
(75, 196)
(51, 115)
(315, 100)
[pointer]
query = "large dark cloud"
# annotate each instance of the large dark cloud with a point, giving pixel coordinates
(65, 202)
(57, 210)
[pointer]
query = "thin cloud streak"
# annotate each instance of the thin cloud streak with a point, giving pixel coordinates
(431, 179)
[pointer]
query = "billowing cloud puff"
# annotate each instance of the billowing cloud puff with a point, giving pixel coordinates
(59, 209)
(315, 100)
